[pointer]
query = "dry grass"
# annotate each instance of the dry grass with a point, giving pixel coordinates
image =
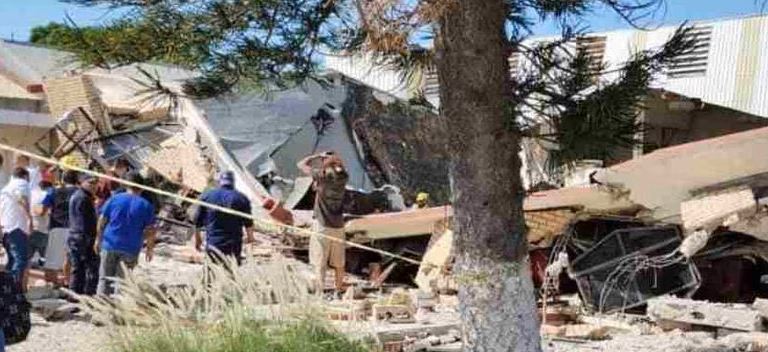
(258, 307)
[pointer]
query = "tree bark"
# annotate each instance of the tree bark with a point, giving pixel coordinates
(497, 301)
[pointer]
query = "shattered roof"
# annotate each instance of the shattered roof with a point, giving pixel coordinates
(11, 89)
(31, 63)
(587, 198)
(252, 126)
(661, 180)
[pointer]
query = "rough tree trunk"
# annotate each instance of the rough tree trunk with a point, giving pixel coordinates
(496, 295)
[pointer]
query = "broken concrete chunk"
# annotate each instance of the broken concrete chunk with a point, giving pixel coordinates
(434, 262)
(53, 309)
(578, 331)
(752, 341)
(711, 210)
(728, 316)
(35, 293)
(761, 305)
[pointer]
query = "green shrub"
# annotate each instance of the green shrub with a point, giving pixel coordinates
(304, 336)
(257, 308)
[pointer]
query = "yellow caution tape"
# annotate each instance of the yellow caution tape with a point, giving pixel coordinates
(264, 223)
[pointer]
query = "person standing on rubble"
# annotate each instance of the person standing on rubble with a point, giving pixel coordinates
(330, 181)
(16, 222)
(224, 232)
(107, 188)
(126, 223)
(38, 239)
(56, 206)
(82, 234)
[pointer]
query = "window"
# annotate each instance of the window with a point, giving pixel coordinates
(514, 65)
(431, 83)
(694, 62)
(594, 47)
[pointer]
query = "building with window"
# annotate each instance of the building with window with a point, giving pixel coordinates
(718, 88)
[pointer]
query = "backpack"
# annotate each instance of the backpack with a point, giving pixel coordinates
(14, 310)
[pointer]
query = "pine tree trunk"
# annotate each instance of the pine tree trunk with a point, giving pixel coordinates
(497, 302)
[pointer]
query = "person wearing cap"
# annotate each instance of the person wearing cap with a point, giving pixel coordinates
(330, 181)
(126, 223)
(56, 207)
(422, 201)
(223, 232)
(82, 234)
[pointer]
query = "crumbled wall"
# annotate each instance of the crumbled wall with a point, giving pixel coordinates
(545, 225)
(66, 94)
(400, 143)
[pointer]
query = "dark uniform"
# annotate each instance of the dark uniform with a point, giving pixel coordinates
(224, 232)
(82, 235)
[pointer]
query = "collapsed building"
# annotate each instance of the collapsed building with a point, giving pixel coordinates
(693, 178)
(92, 117)
(677, 214)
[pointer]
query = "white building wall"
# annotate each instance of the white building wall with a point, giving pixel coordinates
(736, 75)
(363, 70)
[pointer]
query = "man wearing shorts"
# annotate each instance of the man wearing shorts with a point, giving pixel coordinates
(56, 205)
(330, 179)
(38, 239)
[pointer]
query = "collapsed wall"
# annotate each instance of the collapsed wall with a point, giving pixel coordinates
(400, 142)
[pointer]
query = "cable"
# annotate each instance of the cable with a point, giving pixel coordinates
(265, 223)
(627, 269)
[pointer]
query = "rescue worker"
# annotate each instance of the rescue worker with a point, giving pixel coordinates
(422, 201)
(84, 274)
(330, 180)
(223, 232)
(126, 223)
(107, 188)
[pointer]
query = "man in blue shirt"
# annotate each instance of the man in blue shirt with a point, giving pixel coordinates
(82, 234)
(125, 223)
(224, 232)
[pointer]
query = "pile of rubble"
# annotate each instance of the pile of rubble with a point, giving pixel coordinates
(671, 324)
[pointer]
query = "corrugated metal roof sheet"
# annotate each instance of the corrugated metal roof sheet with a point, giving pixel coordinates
(253, 127)
(730, 67)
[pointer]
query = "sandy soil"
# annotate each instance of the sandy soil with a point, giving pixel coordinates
(73, 335)
(78, 334)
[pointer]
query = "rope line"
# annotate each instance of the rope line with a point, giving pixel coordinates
(267, 224)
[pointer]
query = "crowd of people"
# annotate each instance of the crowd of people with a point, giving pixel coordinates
(91, 229)
(73, 223)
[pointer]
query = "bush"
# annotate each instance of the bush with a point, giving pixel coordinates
(258, 307)
(305, 336)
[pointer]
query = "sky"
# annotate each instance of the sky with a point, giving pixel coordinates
(17, 17)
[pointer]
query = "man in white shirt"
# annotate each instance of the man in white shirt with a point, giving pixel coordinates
(16, 224)
(35, 176)
(38, 238)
